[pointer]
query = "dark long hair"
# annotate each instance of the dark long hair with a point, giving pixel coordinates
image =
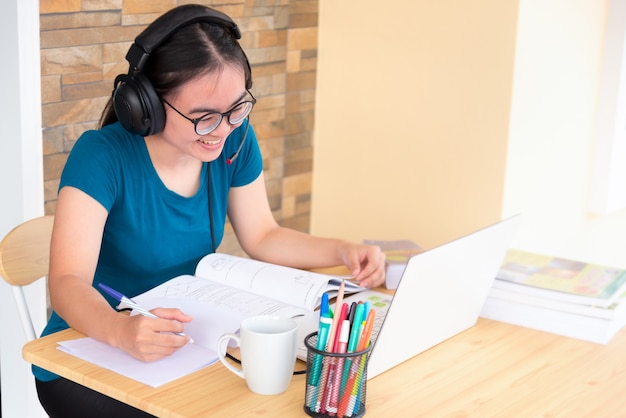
(195, 49)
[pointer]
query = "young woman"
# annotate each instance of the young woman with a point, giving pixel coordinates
(143, 198)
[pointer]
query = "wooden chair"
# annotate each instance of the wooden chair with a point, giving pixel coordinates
(24, 258)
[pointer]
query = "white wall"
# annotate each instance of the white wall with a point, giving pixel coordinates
(558, 71)
(608, 181)
(21, 185)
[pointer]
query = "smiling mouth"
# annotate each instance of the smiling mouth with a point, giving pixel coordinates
(216, 142)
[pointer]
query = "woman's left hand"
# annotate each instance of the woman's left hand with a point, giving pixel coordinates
(366, 263)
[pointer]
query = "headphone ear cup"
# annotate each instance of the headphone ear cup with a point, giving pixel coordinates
(137, 105)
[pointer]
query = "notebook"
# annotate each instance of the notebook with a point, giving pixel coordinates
(440, 294)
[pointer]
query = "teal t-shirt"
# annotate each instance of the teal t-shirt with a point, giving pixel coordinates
(151, 234)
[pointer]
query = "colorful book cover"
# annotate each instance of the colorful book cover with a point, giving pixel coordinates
(561, 278)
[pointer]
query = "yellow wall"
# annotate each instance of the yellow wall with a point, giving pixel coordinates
(412, 117)
(435, 118)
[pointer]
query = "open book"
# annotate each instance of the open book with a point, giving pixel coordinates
(224, 290)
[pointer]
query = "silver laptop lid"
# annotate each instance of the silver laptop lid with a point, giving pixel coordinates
(440, 294)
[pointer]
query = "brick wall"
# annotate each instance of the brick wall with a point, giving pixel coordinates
(83, 45)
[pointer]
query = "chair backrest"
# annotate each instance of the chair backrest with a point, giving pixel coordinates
(24, 258)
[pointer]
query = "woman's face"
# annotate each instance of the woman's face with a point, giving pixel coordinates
(214, 92)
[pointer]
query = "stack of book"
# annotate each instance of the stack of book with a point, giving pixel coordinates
(557, 295)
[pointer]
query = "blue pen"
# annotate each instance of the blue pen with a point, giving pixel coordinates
(131, 303)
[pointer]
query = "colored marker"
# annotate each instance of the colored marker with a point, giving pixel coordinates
(331, 346)
(354, 340)
(356, 328)
(324, 305)
(358, 387)
(352, 390)
(337, 369)
(338, 306)
(322, 336)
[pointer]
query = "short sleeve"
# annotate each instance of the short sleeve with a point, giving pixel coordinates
(93, 167)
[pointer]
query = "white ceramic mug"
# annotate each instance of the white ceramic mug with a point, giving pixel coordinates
(268, 352)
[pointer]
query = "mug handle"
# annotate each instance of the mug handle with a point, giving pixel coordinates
(221, 352)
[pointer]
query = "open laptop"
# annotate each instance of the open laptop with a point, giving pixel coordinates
(440, 294)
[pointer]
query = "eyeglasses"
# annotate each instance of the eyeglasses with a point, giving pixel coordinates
(207, 123)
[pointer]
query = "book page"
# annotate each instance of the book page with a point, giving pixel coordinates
(225, 290)
(288, 285)
(215, 308)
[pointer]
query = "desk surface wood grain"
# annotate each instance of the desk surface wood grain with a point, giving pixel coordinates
(491, 370)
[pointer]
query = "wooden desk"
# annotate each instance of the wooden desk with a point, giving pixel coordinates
(490, 370)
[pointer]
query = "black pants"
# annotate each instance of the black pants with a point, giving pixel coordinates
(65, 399)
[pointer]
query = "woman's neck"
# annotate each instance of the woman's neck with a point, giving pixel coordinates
(178, 171)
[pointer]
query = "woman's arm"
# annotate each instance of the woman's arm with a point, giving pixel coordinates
(262, 238)
(75, 247)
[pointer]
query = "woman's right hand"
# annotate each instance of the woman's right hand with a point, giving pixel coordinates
(149, 339)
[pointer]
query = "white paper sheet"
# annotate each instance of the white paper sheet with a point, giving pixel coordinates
(188, 359)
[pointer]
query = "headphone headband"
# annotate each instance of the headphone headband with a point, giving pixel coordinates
(165, 25)
(135, 101)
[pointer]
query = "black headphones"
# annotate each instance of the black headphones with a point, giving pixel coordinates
(135, 101)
